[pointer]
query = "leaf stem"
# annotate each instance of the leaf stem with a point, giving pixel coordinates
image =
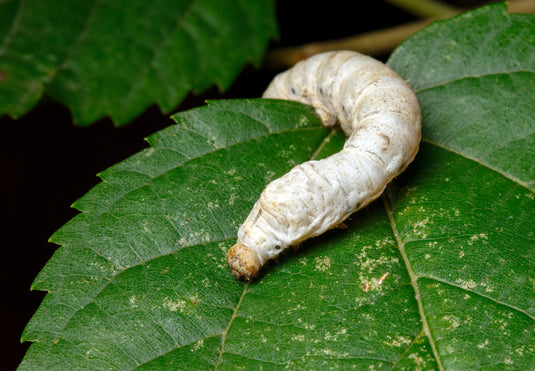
(426, 8)
(372, 43)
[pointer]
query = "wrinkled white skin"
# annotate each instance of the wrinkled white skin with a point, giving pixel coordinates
(380, 114)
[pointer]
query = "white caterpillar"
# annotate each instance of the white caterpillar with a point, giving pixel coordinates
(377, 110)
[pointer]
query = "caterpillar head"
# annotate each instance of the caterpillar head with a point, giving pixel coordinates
(243, 262)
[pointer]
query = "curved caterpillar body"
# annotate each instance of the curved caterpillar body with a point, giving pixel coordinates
(377, 110)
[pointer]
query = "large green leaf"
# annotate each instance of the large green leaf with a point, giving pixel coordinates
(117, 58)
(438, 273)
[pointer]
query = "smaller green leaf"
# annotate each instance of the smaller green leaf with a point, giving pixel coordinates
(117, 58)
(472, 93)
(453, 51)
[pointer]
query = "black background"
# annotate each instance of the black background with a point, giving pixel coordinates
(47, 163)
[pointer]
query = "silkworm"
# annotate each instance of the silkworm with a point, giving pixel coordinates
(381, 116)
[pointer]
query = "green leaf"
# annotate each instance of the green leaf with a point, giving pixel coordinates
(117, 58)
(438, 273)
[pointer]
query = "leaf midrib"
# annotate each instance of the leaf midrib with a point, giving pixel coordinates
(225, 332)
(413, 280)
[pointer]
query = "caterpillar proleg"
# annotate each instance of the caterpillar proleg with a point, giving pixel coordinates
(379, 113)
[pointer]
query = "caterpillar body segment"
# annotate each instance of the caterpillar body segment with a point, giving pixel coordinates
(380, 114)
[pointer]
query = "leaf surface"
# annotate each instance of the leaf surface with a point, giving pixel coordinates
(438, 273)
(116, 58)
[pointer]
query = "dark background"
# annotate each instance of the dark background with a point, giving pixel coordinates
(47, 163)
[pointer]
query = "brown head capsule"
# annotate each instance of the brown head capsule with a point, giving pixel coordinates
(243, 262)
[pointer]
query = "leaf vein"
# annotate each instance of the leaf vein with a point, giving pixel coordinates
(156, 51)
(225, 333)
(481, 162)
(515, 308)
(471, 77)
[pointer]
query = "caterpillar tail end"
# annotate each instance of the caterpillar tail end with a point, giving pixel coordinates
(243, 262)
